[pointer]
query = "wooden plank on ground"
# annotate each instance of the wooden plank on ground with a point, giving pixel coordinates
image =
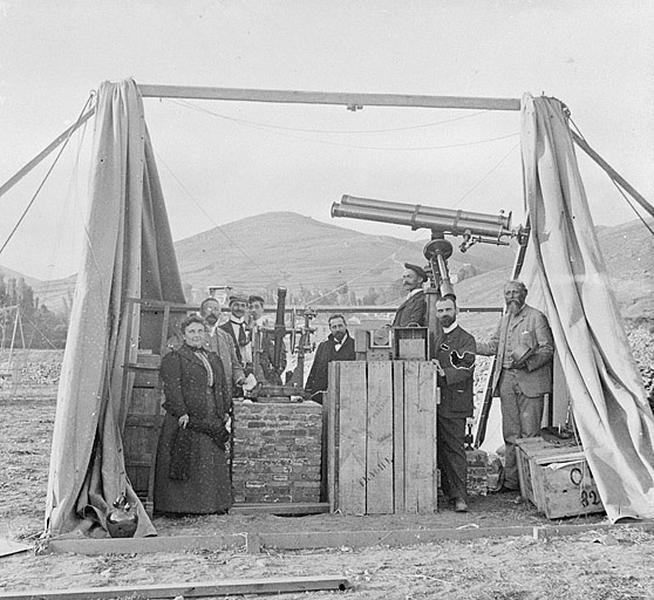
(379, 452)
(400, 537)
(352, 438)
(149, 545)
(399, 465)
(280, 508)
(270, 585)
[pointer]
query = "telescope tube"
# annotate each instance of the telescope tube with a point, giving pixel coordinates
(417, 217)
(447, 213)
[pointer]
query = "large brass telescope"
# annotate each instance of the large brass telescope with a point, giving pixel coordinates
(474, 227)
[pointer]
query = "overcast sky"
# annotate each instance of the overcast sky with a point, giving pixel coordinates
(220, 161)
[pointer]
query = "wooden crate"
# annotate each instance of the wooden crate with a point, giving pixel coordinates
(382, 437)
(557, 479)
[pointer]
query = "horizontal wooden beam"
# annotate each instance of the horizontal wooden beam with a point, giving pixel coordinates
(613, 174)
(351, 100)
(269, 585)
(148, 545)
(12, 181)
(279, 508)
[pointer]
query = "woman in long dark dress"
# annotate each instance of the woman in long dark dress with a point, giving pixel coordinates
(192, 476)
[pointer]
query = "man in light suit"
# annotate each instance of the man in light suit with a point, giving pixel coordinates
(523, 372)
(221, 343)
(414, 308)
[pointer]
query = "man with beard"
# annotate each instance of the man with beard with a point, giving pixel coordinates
(456, 364)
(220, 342)
(412, 311)
(523, 372)
(338, 346)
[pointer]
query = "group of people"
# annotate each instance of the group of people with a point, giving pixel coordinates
(213, 363)
(522, 376)
(202, 375)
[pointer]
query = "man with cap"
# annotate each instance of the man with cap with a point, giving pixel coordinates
(237, 329)
(414, 308)
(265, 349)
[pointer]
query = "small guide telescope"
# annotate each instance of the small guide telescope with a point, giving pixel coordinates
(473, 227)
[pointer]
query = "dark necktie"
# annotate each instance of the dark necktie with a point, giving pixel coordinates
(242, 335)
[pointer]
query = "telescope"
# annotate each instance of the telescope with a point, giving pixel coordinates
(474, 227)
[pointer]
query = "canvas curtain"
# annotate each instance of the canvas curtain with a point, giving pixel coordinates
(567, 280)
(128, 253)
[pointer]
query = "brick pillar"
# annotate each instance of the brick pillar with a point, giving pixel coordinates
(277, 452)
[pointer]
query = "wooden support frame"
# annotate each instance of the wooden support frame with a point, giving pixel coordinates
(351, 100)
(253, 543)
(229, 587)
(12, 181)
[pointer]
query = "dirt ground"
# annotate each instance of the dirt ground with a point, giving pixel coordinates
(593, 565)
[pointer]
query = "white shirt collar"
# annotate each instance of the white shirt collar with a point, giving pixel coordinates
(413, 292)
(236, 320)
(452, 327)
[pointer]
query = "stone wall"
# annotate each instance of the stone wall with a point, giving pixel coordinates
(277, 452)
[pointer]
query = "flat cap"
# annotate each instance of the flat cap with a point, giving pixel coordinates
(255, 298)
(416, 269)
(238, 298)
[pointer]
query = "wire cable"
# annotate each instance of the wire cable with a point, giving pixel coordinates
(208, 216)
(330, 131)
(45, 178)
(486, 176)
(615, 183)
(364, 147)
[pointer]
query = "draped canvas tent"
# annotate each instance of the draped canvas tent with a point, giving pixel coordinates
(128, 253)
(567, 280)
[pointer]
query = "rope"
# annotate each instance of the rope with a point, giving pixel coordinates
(208, 216)
(329, 131)
(362, 147)
(45, 178)
(616, 184)
(485, 177)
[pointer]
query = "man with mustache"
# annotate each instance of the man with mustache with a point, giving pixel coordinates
(220, 342)
(338, 346)
(455, 354)
(523, 372)
(413, 310)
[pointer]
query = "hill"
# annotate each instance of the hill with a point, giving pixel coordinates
(282, 248)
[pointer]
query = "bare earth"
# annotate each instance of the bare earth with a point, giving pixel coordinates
(596, 564)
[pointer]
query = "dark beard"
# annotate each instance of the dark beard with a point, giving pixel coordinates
(211, 319)
(446, 321)
(339, 336)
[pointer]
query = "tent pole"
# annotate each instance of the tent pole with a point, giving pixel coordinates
(353, 101)
(12, 181)
(613, 174)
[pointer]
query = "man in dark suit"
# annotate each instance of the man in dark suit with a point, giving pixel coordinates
(456, 364)
(338, 346)
(237, 328)
(523, 372)
(413, 310)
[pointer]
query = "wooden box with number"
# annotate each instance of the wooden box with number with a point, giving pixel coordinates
(556, 478)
